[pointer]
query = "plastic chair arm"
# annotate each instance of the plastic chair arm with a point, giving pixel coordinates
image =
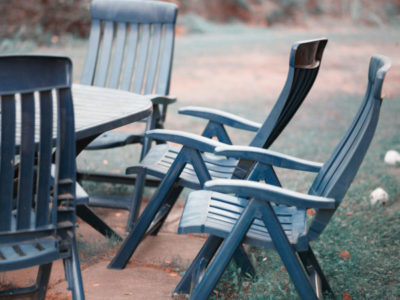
(270, 193)
(165, 100)
(269, 157)
(191, 140)
(221, 117)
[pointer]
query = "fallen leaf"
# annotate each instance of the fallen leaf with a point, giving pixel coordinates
(128, 293)
(96, 284)
(347, 297)
(345, 254)
(168, 270)
(349, 213)
(173, 274)
(310, 212)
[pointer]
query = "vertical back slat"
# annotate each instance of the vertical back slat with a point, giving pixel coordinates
(164, 72)
(142, 58)
(93, 50)
(118, 56)
(106, 47)
(130, 56)
(25, 179)
(7, 160)
(45, 159)
(153, 59)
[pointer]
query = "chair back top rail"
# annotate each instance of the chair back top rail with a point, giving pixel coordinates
(131, 46)
(37, 202)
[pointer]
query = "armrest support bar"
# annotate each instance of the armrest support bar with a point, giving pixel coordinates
(270, 193)
(269, 157)
(221, 117)
(191, 140)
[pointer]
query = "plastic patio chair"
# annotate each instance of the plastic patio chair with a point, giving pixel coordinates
(188, 166)
(37, 217)
(131, 48)
(268, 216)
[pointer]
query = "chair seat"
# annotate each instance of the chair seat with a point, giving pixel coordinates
(216, 214)
(160, 157)
(112, 139)
(27, 254)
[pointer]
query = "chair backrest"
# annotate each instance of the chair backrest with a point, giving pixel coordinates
(338, 172)
(36, 115)
(131, 45)
(304, 62)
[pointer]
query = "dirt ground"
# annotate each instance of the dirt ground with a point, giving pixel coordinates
(241, 70)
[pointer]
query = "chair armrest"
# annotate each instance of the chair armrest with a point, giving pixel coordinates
(191, 140)
(221, 117)
(165, 100)
(270, 193)
(269, 157)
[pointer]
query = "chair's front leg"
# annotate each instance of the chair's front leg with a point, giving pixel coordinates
(225, 253)
(206, 253)
(136, 235)
(286, 252)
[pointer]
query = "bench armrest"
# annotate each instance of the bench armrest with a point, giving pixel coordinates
(270, 193)
(221, 117)
(268, 157)
(191, 140)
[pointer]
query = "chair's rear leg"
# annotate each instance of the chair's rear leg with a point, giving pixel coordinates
(243, 261)
(136, 201)
(42, 280)
(73, 273)
(310, 261)
(205, 254)
(171, 200)
(87, 215)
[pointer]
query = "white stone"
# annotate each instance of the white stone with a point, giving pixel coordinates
(379, 196)
(392, 158)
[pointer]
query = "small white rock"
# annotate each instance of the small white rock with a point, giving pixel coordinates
(379, 196)
(392, 158)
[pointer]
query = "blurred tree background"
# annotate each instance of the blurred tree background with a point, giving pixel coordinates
(42, 20)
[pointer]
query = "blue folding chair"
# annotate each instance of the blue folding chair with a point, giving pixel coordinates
(189, 166)
(269, 216)
(37, 216)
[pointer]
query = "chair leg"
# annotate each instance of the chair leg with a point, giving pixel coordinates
(36, 291)
(205, 254)
(171, 200)
(42, 280)
(310, 262)
(87, 215)
(287, 253)
(133, 239)
(73, 273)
(136, 201)
(225, 253)
(243, 261)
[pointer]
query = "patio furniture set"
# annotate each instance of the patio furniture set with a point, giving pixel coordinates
(46, 121)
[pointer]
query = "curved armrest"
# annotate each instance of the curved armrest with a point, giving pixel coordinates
(191, 140)
(165, 100)
(221, 117)
(269, 157)
(269, 193)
